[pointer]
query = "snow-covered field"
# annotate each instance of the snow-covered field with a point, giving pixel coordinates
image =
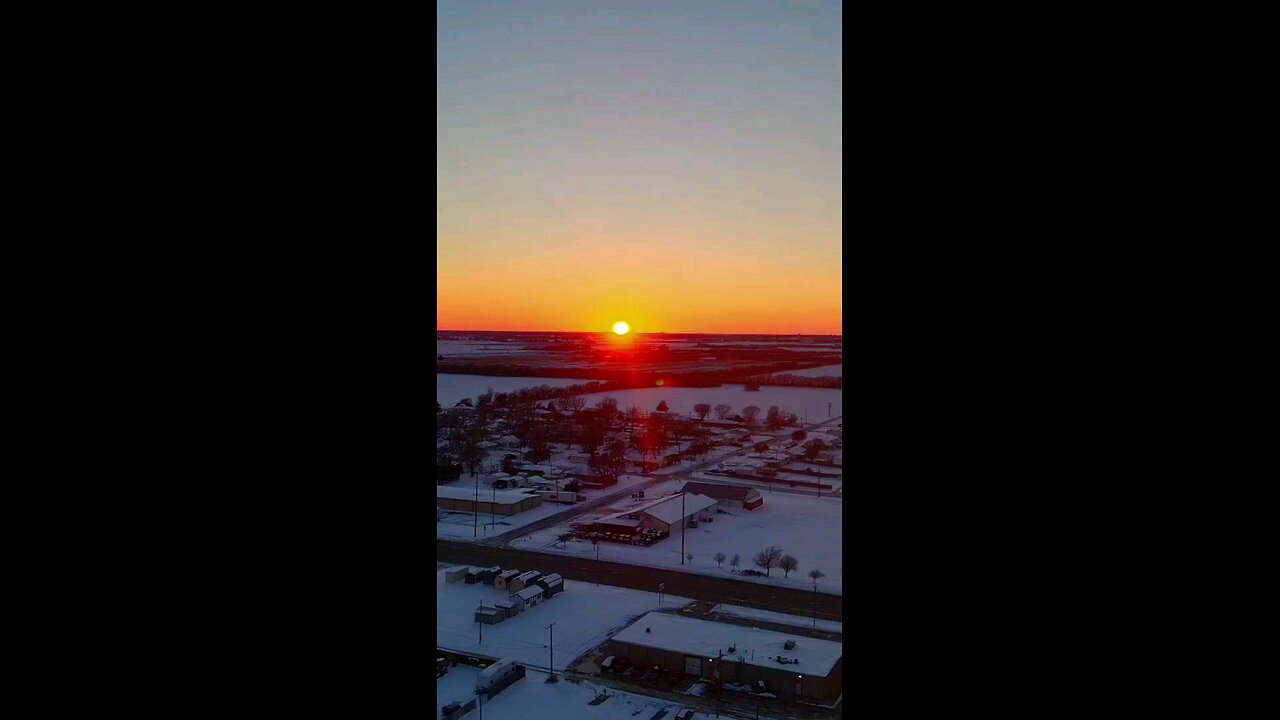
(451, 388)
(824, 371)
(804, 526)
(464, 347)
(780, 486)
(780, 618)
(534, 699)
(585, 616)
(682, 400)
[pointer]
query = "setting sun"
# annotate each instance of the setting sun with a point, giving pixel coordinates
(621, 328)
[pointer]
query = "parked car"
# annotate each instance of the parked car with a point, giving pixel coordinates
(607, 665)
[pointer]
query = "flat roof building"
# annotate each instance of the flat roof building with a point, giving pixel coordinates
(502, 502)
(790, 665)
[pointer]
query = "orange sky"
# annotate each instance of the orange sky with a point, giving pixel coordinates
(680, 170)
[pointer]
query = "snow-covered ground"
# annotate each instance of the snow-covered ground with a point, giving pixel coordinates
(681, 400)
(450, 348)
(534, 699)
(824, 371)
(451, 388)
(804, 526)
(585, 616)
(779, 618)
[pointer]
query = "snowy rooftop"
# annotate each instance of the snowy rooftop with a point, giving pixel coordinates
(668, 510)
(463, 493)
(691, 636)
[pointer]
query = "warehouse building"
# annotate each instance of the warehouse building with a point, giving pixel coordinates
(503, 502)
(727, 496)
(662, 514)
(791, 666)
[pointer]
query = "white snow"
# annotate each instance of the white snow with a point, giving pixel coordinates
(461, 526)
(802, 525)
(824, 371)
(752, 646)
(534, 699)
(681, 400)
(451, 388)
(502, 497)
(585, 616)
(779, 618)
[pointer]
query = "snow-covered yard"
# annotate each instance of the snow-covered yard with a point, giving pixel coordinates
(779, 618)
(804, 526)
(585, 616)
(681, 400)
(452, 388)
(534, 699)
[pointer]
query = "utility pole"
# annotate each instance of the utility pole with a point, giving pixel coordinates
(552, 647)
(481, 626)
(493, 508)
(684, 523)
(660, 587)
(475, 510)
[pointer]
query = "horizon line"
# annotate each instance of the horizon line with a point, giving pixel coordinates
(609, 332)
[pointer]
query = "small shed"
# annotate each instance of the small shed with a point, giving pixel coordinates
(488, 616)
(502, 581)
(455, 574)
(523, 581)
(473, 575)
(505, 609)
(530, 596)
(551, 585)
(488, 574)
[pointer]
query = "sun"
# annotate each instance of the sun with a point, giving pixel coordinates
(621, 328)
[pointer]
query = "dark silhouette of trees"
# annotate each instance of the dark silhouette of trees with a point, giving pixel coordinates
(799, 435)
(768, 558)
(722, 411)
(750, 412)
(788, 563)
(702, 410)
(662, 406)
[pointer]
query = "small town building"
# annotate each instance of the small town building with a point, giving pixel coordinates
(473, 575)
(463, 499)
(488, 616)
(791, 666)
(487, 575)
(503, 579)
(523, 581)
(456, 574)
(727, 496)
(665, 514)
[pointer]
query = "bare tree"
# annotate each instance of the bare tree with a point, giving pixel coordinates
(733, 564)
(750, 412)
(702, 410)
(768, 558)
(788, 563)
(722, 411)
(815, 574)
(720, 558)
(574, 402)
(662, 406)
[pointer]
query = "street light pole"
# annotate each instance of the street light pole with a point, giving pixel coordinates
(475, 509)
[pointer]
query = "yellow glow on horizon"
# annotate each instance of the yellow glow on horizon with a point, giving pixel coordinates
(621, 328)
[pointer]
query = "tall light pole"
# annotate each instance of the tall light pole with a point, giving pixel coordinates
(684, 523)
(475, 509)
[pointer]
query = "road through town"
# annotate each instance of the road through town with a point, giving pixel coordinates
(681, 584)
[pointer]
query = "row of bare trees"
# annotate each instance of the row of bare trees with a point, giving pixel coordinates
(767, 559)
